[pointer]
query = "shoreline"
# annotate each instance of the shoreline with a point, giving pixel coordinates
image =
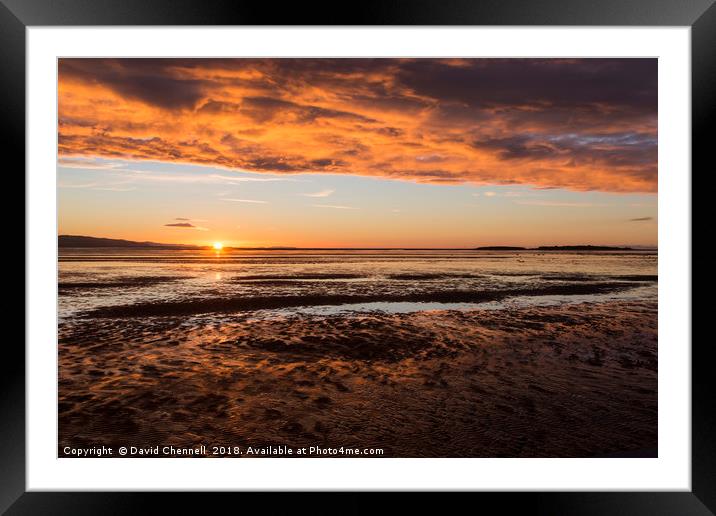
(254, 303)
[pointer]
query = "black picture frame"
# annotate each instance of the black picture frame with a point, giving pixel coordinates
(17, 15)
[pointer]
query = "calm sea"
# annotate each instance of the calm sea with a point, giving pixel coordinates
(91, 280)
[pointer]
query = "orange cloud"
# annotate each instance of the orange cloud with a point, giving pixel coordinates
(585, 124)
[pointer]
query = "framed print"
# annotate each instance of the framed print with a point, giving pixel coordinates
(422, 249)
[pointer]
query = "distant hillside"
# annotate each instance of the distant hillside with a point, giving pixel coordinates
(86, 241)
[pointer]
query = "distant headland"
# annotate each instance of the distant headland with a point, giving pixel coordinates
(87, 241)
(555, 248)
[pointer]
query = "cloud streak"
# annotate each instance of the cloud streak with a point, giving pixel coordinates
(322, 193)
(184, 225)
(248, 201)
(333, 206)
(580, 124)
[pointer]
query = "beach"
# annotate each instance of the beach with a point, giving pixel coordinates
(415, 353)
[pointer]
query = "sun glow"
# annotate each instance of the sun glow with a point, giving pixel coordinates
(218, 246)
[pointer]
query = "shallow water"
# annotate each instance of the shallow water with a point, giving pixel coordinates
(405, 307)
(92, 279)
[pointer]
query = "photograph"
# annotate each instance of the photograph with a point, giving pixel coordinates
(357, 257)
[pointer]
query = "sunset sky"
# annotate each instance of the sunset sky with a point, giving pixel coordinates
(359, 152)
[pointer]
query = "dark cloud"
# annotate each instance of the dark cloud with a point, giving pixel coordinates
(180, 225)
(135, 79)
(214, 107)
(547, 82)
(516, 147)
(390, 102)
(618, 150)
(76, 122)
(641, 219)
(263, 109)
(393, 132)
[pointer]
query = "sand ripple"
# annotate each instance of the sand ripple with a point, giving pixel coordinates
(559, 381)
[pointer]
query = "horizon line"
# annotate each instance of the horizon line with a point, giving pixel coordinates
(149, 244)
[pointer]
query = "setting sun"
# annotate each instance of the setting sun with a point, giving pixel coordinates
(218, 246)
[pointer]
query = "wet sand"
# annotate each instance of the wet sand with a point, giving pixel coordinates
(576, 380)
(252, 303)
(65, 287)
